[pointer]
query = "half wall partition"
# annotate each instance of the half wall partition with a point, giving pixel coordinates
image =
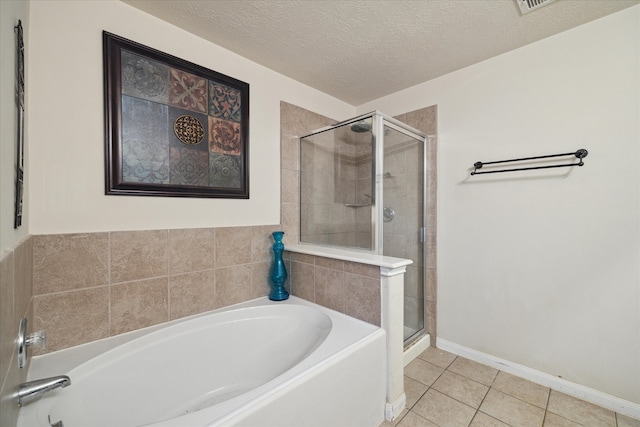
(363, 187)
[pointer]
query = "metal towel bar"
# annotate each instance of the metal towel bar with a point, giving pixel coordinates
(580, 154)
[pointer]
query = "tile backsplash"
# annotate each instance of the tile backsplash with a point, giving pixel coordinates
(91, 286)
(15, 296)
(94, 285)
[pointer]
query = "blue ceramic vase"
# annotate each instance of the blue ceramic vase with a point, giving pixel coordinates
(278, 270)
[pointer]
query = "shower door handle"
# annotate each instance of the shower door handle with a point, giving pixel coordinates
(388, 214)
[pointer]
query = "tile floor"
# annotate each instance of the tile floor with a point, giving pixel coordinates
(447, 390)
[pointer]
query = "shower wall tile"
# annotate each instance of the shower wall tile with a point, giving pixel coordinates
(136, 305)
(70, 261)
(137, 255)
(289, 216)
(289, 185)
(425, 120)
(294, 123)
(191, 250)
(431, 284)
(191, 293)
(73, 317)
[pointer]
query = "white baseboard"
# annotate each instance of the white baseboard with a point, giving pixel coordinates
(393, 410)
(591, 395)
(416, 348)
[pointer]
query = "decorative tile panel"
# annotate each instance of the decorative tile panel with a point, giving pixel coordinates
(144, 78)
(224, 102)
(187, 91)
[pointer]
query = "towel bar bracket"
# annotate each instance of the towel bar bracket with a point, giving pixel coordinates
(580, 154)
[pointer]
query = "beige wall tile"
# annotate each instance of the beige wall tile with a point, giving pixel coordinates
(372, 271)
(233, 246)
(289, 186)
(362, 298)
(423, 119)
(289, 216)
(302, 279)
(233, 285)
(334, 264)
(70, 261)
(191, 293)
(8, 329)
(72, 318)
(431, 285)
(138, 255)
(191, 250)
(303, 258)
(8, 405)
(23, 276)
(136, 305)
(260, 283)
(262, 242)
(329, 288)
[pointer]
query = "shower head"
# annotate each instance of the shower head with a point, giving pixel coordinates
(361, 127)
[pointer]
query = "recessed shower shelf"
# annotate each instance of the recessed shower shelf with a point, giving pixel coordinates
(356, 205)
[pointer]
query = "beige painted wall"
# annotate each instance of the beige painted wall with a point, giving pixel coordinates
(542, 268)
(66, 124)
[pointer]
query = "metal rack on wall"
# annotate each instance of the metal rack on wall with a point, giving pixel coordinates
(580, 154)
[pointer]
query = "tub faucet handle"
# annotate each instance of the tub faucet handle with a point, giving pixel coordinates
(25, 340)
(38, 338)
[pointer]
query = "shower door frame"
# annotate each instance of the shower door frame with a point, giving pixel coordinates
(378, 122)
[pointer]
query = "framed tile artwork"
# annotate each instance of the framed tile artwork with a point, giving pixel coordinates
(172, 128)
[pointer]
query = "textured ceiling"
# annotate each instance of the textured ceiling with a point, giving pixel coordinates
(360, 50)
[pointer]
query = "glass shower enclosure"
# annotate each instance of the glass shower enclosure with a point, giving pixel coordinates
(363, 187)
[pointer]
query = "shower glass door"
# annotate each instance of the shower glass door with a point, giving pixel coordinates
(337, 186)
(403, 217)
(363, 186)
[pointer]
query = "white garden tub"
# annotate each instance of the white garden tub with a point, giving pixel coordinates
(261, 363)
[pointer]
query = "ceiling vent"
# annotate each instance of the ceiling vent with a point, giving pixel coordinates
(527, 6)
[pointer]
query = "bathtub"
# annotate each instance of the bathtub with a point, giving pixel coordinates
(259, 363)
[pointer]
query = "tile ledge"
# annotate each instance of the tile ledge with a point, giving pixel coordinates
(350, 255)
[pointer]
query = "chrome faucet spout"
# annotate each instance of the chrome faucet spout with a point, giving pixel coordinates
(32, 390)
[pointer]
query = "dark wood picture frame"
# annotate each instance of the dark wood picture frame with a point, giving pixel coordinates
(172, 128)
